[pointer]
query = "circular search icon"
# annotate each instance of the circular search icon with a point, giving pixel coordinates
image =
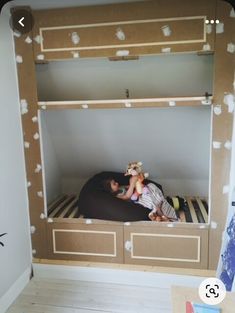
(212, 291)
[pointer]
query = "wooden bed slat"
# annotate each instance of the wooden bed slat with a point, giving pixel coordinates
(69, 199)
(192, 210)
(60, 206)
(71, 210)
(73, 213)
(72, 203)
(51, 207)
(202, 208)
(66, 206)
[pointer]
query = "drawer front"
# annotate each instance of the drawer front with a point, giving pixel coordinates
(171, 247)
(102, 243)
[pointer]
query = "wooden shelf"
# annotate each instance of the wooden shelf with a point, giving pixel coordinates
(126, 103)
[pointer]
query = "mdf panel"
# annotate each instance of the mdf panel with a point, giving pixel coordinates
(222, 127)
(163, 246)
(82, 242)
(29, 117)
(149, 27)
(191, 30)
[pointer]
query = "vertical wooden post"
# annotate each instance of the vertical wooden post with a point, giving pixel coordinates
(222, 126)
(28, 101)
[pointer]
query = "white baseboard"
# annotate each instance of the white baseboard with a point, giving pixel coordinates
(115, 276)
(13, 292)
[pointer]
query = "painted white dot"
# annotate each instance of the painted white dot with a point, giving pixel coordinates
(19, 59)
(35, 119)
(172, 103)
(34, 251)
(206, 47)
(219, 28)
(75, 38)
(40, 57)
(32, 229)
(128, 245)
(229, 100)
(202, 226)
(88, 221)
(38, 168)
(122, 53)
(217, 109)
(40, 194)
(26, 144)
(232, 13)
(212, 21)
(208, 28)
(228, 145)
(29, 184)
(85, 106)
(231, 47)
(75, 54)
(28, 40)
(50, 220)
(213, 225)
(226, 189)
(206, 101)
(207, 21)
(166, 30)
(36, 136)
(166, 50)
(38, 39)
(217, 21)
(120, 34)
(42, 216)
(127, 104)
(17, 34)
(216, 144)
(23, 106)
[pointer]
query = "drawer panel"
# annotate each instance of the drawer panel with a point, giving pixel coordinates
(75, 241)
(163, 246)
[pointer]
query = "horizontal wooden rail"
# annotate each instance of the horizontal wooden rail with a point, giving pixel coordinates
(126, 103)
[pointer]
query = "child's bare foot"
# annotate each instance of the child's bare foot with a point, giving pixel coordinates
(164, 218)
(152, 216)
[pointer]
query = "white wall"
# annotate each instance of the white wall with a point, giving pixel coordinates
(15, 256)
(50, 162)
(148, 77)
(172, 143)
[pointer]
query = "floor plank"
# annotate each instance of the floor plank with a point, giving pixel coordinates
(67, 296)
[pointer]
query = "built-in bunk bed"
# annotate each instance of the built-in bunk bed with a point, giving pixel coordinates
(124, 32)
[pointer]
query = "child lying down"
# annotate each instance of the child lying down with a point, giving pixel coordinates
(153, 199)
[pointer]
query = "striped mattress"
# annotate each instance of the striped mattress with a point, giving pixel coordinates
(190, 209)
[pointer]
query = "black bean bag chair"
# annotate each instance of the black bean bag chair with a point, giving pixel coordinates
(96, 203)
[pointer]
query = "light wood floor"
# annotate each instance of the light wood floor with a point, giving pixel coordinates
(68, 296)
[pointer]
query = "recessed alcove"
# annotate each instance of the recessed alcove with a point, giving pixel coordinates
(179, 75)
(172, 143)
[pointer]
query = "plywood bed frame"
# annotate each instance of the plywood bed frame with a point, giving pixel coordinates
(182, 245)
